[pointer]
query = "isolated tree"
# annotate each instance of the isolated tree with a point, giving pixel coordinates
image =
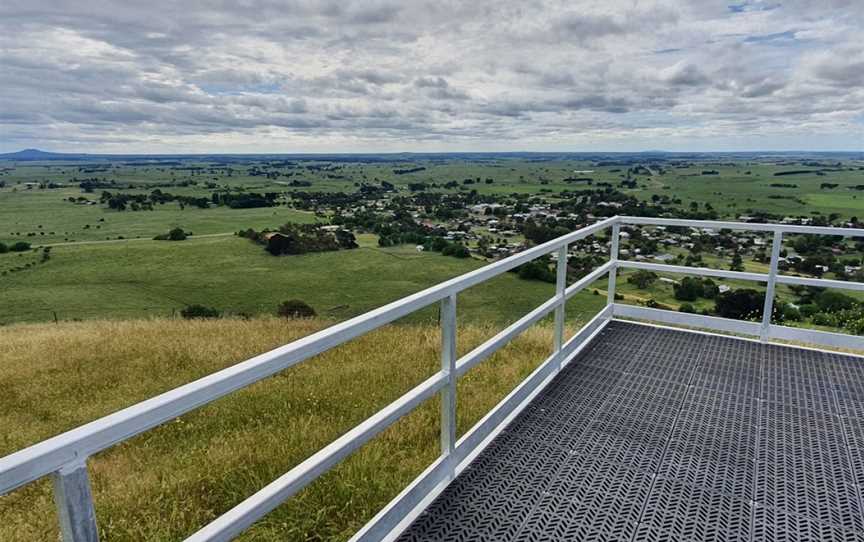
(642, 279)
(737, 263)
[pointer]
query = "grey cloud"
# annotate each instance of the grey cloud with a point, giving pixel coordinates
(416, 71)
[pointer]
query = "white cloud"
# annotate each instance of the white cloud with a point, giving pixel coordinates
(271, 75)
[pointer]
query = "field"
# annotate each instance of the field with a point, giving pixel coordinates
(168, 482)
(104, 263)
(150, 278)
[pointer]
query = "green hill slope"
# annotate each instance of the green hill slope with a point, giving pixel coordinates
(168, 482)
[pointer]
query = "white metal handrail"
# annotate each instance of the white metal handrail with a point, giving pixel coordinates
(65, 456)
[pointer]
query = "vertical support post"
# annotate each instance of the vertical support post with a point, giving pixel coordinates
(613, 257)
(765, 331)
(74, 502)
(448, 367)
(560, 310)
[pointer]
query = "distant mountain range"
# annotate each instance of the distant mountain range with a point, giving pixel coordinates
(33, 155)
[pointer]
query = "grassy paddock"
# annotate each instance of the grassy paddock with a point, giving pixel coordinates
(168, 482)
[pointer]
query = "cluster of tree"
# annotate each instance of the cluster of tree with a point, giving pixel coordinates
(121, 201)
(293, 238)
(175, 234)
(331, 200)
(446, 248)
(642, 279)
(408, 170)
(692, 288)
(245, 200)
(19, 246)
(539, 269)
(541, 233)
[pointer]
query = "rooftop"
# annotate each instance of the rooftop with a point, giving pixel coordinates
(659, 434)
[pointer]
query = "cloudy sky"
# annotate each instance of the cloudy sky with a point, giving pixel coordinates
(376, 75)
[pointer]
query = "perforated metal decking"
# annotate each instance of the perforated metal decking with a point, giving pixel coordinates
(652, 434)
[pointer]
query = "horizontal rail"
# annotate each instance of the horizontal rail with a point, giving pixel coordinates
(48, 456)
(236, 520)
(741, 275)
(742, 327)
(687, 319)
(754, 226)
(821, 283)
(682, 269)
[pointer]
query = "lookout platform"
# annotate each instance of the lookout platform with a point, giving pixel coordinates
(655, 434)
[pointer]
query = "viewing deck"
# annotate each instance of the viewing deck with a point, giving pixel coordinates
(657, 434)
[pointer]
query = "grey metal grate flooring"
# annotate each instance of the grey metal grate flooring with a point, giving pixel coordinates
(653, 434)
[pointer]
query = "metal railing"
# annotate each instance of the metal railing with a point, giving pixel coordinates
(65, 456)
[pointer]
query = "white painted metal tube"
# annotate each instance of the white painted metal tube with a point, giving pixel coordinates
(687, 319)
(822, 283)
(613, 257)
(702, 271)
(560, 290)
(448, 368)
(752, 226)
(74, 501)
(239, 518)
(768, 307)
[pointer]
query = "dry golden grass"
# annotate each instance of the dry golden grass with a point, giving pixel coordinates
(168, 482)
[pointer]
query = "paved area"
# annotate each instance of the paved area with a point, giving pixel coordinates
(652, 434)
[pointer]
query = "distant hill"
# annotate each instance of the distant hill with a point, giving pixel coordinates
(36, 154)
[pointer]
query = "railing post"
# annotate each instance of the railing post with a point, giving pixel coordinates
(74, 502)
(765, 331)
(613, 257)
(448, 367)
(560, 310)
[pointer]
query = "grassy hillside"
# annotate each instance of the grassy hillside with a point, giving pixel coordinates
(168, 482)
(154, 278)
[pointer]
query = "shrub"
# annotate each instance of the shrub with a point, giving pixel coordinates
(822, 319)
(744, 304)
(834, 301)
(856, 326)
(790, 313)
(199, 311)
(456, 250)
(808, 309)
(689, 289)
(177, 234)
(20, 246)
(688, 308)
(294, 308)
(642, 279)
(536, 270)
